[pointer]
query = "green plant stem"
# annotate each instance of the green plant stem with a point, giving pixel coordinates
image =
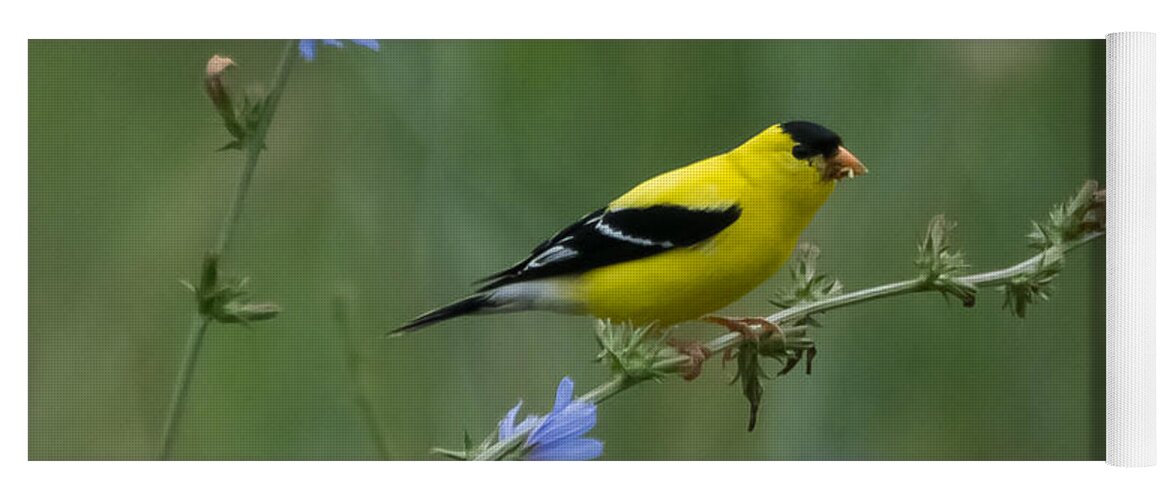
(354, 370)
(982, 280)
(200, 322)
(501, 448)
(723, 343)
(255, 146)
(613, 386)
(179, 393)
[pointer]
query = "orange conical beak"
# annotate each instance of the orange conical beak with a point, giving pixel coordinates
(843, 164)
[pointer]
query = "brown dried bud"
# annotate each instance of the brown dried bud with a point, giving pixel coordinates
(218, 64)
(214, 84)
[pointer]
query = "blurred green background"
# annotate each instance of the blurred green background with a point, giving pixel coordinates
(394, 179)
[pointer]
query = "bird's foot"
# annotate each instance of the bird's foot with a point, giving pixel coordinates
(750, 328)
(696, 353)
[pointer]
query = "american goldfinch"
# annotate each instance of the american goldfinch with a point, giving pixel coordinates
(678, 246)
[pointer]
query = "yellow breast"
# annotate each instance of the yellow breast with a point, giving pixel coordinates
(686, 283)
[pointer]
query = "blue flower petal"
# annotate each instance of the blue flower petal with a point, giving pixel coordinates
(308, 49)
(564, 395)
(370, 44)
(507, 426)
(568, 449)
(529, 423)
(574, 421)
(558, 435)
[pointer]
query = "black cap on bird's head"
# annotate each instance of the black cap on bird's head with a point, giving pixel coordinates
(814, 140)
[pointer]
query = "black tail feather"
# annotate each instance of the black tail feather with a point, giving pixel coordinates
(470, 305)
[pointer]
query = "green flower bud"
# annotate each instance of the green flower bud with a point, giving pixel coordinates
(247, 312)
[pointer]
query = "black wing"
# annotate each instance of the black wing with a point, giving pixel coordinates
(607, 237)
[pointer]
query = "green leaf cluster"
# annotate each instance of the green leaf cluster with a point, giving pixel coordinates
(786, 350)
(1029, 287)
(626, 349)
(807, 285)
(940, 265)
(226, 302)
(1069, 221)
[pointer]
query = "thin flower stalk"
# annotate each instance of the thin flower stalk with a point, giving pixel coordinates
(200, 323)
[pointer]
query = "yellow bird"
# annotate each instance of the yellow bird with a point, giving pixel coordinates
(681, 245)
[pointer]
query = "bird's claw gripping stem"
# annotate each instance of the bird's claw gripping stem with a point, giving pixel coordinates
(750, 328)
(696, 353)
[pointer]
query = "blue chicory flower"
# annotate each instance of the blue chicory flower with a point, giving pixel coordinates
(558, 435)
(309, 47)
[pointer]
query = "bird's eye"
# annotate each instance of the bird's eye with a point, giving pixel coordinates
(811, 140)
(802, 152)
